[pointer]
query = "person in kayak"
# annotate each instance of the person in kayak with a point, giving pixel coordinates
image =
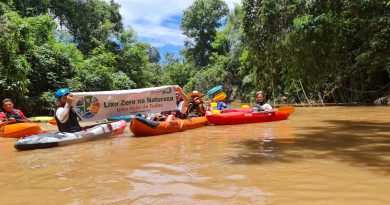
(10, 114)
(260, 103)
(182, 105)
(196, 106)
(66, 117)
(223, 104)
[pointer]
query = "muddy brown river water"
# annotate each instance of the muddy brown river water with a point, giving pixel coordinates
(332, 155)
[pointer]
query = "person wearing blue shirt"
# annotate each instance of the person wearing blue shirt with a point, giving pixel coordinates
(223, 105)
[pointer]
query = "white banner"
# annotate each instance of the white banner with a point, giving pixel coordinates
(92, 106)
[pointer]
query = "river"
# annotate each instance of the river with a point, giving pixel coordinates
(332, 155)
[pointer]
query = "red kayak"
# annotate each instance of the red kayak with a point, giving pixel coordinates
(244, 117)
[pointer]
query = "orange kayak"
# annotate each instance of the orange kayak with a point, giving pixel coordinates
(143, 127)
(52, 122)
(19, 130)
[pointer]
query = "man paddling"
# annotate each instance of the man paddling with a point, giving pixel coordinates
(66, 117)
(10, 115)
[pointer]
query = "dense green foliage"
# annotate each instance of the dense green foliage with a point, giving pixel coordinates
(87, 50)
(199, 24)
(332, 50)
(300, 50)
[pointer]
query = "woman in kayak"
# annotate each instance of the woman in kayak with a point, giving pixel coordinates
(66, 117)
(196, 106)
(260, 103)
(10, 115)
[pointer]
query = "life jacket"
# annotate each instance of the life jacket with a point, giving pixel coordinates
(260, 103)
(15, 115)
(194, 110)
(258, 107)
(71, 125)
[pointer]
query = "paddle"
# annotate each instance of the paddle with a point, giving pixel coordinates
(220, 96)
(5, 122)
(287, 109)
(90, 126)
(212, 90)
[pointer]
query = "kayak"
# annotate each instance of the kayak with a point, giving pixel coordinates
(47, 140)
(52, 121)
(126, 118)
(19, 130)
(244, 117)
(41, 118)
(214, 111)
(144, 127)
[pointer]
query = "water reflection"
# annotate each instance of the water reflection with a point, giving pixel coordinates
(358, 143)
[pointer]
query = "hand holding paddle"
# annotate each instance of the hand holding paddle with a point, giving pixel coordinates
(11, 120)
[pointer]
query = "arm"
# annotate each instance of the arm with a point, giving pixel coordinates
(22, 115)
(3, 123)
(267, 107)
(202, 109)
(63, 113)
(184, 107)
(2, 116)
(3, 119)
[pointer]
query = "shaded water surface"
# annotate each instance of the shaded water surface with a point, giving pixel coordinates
(333, 155)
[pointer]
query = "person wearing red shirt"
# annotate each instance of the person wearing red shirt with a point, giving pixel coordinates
(10, 114)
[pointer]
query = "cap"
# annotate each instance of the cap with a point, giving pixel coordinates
(61, 92)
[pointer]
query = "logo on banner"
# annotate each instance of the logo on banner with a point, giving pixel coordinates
(87, 107)
(167, 90)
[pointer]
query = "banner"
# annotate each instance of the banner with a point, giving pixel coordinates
(92, 106)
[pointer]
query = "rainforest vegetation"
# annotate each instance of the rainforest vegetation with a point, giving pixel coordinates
(311, 51)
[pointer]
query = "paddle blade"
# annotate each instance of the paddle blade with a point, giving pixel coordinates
(287, 109)
(215, 89)
(220, 96)
(244, 106)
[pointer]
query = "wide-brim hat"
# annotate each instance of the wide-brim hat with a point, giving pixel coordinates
(195, 93)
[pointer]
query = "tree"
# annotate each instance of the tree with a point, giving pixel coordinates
(99, 73)
(332, 49)
(92, 23)
(176, 71)
(199, 24)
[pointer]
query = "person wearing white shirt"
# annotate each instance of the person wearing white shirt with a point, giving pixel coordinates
(66, 117)
(260, 103)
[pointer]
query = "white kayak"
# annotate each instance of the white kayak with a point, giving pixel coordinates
(47, 140)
